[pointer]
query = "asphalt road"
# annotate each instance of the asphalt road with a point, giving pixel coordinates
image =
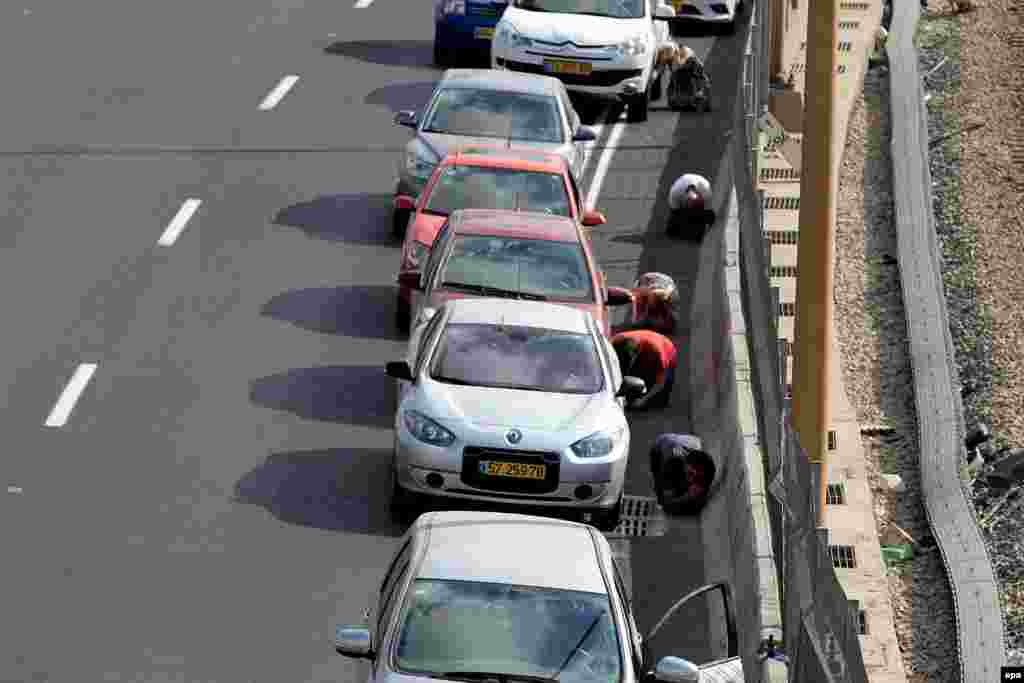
(217, 498)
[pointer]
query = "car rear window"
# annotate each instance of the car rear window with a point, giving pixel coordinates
(495, 114)
(507, 189)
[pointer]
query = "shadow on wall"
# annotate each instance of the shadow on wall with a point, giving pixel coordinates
(354, 218)
(417, 54)
(354, 394)
(327, 489)
(352, 311)
(400, 96)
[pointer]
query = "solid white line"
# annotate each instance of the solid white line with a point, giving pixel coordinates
(603, 162)
(278, 93)
(589, 150)
(363, 4)
(66, 403)
(178, 223)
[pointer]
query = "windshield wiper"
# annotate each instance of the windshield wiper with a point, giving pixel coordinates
(495, 291)
(583, 639)
(504, 677)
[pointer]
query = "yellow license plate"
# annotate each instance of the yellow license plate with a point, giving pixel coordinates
(516, 470)
(484, 32)
(560, 67)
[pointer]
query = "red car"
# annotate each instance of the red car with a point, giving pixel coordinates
(514, 254)
(484, 178)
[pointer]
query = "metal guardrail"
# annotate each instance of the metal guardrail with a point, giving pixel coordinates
(979, 616)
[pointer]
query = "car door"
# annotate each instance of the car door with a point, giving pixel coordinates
(572, 120)
(389, 597)
(430, 269)
(636, 641)
(421, 341)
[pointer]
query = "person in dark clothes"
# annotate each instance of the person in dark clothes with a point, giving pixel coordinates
(651, 357)
(682, 473)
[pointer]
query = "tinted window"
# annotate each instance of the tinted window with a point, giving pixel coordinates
(478, 187)
(623, 9)
(546, 270)
(468, 626)
(518, 357)
(495, 114)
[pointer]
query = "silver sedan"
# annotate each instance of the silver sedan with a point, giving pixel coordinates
(517, 401)
(486, 597)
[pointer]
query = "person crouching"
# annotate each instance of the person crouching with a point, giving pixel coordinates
(689, 202)
(651, 357)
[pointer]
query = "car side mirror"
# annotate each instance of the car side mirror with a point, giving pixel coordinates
(584, 134)
(618, 296)
(408, 118)
(410, 279)
(675, 670)
(632, 388)
(399, 369)
(353, 641)
(592, 218)
(664, 12)
(405, 203)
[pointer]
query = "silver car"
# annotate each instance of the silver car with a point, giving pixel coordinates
(510, 400)
(476, 596)
(486, 107)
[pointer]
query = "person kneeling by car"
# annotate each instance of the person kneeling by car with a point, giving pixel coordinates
(682, 473)
(689, 202)
(651, 357)
(654, 297)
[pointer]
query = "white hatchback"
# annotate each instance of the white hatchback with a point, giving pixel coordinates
(603, 48)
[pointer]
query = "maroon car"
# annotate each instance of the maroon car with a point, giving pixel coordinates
(514, 254)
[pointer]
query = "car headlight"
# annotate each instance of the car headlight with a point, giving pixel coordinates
(633, 47)
(598, 444)
(513, 38)
(418, 166)
(449, 7)
(415, 256)
(426, 430)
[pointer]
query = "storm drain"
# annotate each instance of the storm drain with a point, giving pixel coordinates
(641, 516)
(849, 25)
(854, 6)
(779, 174)
(782, 236)
(791, 203)
(782, 271)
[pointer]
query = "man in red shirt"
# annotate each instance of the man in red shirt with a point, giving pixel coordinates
(651, 357)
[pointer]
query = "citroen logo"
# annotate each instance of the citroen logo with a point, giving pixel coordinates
(514, 436)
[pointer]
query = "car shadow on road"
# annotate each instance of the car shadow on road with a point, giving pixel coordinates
(337, 489)
(417, 54)
(354, 218)
(352, 311)
(354, 394)
(401, 96)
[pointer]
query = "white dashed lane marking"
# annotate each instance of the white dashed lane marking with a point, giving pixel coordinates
(277, 94)
(69, 397)
(178, 223)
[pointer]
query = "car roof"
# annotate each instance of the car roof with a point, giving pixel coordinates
(493, 79)
(524, 224)
(488, 546)
(493, 156)
(528, 313)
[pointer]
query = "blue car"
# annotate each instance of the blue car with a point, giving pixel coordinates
(465, 26)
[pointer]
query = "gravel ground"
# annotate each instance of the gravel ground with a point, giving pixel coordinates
(974, 82)
(871, 327)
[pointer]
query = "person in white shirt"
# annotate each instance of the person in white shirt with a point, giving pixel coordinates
(690, 201)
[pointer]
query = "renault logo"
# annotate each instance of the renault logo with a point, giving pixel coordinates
(514, 436)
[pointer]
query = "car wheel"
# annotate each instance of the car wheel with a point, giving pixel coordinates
(608, 520)
(637, 108)
(403, 315)
(399, 222)
(405, 505)
(656, 86)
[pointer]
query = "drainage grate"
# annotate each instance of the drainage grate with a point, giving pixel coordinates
(639, 517)
(780, 174)
(782, 236)
(787, 309)
(849, 25)
(844, 46)
(854, 6)
(835, 494)
(782, 271)
(832, 439)
(843, 556)
(860, 617)
(790, 203)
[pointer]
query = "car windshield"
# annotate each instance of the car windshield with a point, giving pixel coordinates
(474, 627)
(535, 268)
(480, 187)
(495, 114)
(620, 9)
(518, 357)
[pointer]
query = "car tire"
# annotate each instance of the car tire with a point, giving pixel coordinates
(399, 222)
(405, 505)
(608, 520)
(637, 108)
(403, 315)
